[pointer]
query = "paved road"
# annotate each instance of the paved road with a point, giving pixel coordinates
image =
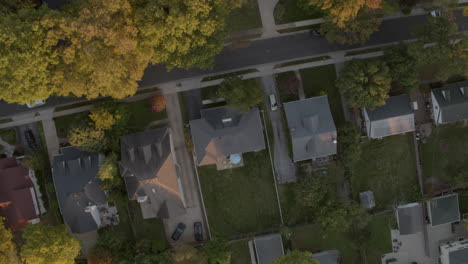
(186, 173)
(289, 47)
(284, 167)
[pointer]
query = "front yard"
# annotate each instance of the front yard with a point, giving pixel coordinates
(244, 18)
(241, 200)
(445, 152)
(388, 168)
(287, 11)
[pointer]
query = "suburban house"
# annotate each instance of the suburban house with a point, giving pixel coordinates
(450, 103)
(81, 200)
(265, 249)
(222, 134)
(312, 129)
(454, 252)
(444, 210)
(328, 257)
(410, 218)
(19, 203)
(148, 168)
(393, 118)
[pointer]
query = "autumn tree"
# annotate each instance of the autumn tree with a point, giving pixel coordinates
(342, 11)
(101, 54)
(7, 247)
(88, 139)
(181, 33)
(108, 172)
(402, 67)
(158, 103)
(28, 54)
(296, 257)
(185, 254)
(365, 83)
(241, 94)
(48, 245)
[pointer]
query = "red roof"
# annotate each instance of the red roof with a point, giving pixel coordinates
(16, 200)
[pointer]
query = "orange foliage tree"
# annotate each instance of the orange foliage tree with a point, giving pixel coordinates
(158, 103)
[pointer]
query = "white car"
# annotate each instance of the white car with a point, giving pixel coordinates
(35, 103)
(435, 13)
(273, 103)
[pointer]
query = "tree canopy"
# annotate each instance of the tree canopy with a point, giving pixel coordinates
(48, 245)
(7, 247)
(402, 67)
(365, 83)
(342, 11)
(349, 148)
(217, 251)
(241, 94)
(296, 257)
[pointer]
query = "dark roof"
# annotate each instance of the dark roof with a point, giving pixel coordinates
(454, 104)
(268, 248)
(327, 257)
(459, 256)
(444, 210)
(75, 177)
(56, 4)
(223, 131)
(410, 218)
(367, 199)
(395, 117)
(17, 194)
(311, 127)
(147, 165)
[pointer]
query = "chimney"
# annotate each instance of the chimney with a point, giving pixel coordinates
(446, 94)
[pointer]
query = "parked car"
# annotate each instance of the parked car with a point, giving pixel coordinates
(435, 13)
(273, 103)
(30, 139)
(178, 231)
(35, 103)
(198, 231)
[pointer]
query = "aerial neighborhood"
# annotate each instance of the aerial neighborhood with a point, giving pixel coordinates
(233, 132)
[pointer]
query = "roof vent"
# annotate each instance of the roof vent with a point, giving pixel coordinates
(446, 94)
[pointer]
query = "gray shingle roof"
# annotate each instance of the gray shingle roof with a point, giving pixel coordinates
(222, 131)
(459, 256)
(311, 127)
(395, 117)
(327, 257)
(444, 210)
(455, 106)
(74, 173)
(268, 248)
(147, 166)
(410, 218)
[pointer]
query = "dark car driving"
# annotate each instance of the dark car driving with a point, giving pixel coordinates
(198, 231)
(178, 232)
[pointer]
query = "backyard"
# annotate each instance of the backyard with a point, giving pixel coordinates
(319, 81)
(379, 242)
(151, 229)
(240, 251)
(244, 18)
(388, 168)
(241, 200)
(445, 152)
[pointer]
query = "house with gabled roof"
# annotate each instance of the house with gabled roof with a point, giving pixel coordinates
(82, 202)
(450, 103)
(312, 129)
(222, 134)
(394, 117)
(444, 210)
(410, 218)
(148, 167)
(19, 202)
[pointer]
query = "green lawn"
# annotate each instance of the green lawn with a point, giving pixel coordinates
(244, 18)
(141, 115)
(282, 81)
(387, 167)
(319, 81)
(380, 241)
(241, 200)
(240, 253)
(8, 135)
(64, 123)
(463, 201)
(313, 239)
(151, 229)
(445, 152)
(287, 11)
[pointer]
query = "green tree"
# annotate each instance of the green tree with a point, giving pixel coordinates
(296, 257)
(101, 54)
(241, 94)
(402, 67)
(310, 191)
(349, 148)
(48, 245)
(28, 56)
(109, 172)
(217, 251)
(365, 83)
(183, 33)
(185, 254)
(460, 179)
(7, 248)
(112, 247)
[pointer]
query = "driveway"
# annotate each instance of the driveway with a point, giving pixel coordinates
(193, 103)
(21, 131)
(284, 167)
(185, 170)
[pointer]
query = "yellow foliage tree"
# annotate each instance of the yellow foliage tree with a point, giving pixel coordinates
(342, 11)
(102, 119)
(7, 248)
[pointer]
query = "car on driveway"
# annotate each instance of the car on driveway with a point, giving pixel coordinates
(198, 231)
(273, 103)
(178, 231)
(30, 139)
